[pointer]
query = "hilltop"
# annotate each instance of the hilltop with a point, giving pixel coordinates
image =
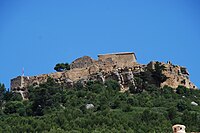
(121, 67)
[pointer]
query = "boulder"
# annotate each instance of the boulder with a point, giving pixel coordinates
(89, 106)
(194, 103)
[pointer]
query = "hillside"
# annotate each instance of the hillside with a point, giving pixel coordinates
(111, 94)
(99, 107)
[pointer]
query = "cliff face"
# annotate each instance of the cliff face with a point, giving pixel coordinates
(121, 67)
(176, 75)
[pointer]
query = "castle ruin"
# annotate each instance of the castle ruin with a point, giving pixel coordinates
(117, 66)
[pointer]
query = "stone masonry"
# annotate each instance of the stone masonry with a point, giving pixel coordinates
(117, 66)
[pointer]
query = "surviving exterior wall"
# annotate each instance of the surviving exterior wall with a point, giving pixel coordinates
(118, 59)
(78, 73)
(16, 82)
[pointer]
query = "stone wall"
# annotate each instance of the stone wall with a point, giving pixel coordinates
(118, 59)
(121, 67)
(15, 83)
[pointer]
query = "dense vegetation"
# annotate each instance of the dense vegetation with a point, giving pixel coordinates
(54, 108)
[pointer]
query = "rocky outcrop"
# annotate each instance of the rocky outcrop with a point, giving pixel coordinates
(82, 62)
(117, 67)
(176, 75)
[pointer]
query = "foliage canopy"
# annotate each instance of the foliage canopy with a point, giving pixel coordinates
(54, 108)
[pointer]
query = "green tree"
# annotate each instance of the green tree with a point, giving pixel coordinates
(12, 96)
(157, 74)
(113, 85)
(2, 93)
(62, 67)
(138, 87)
(47, 95)
(14, 107)
(183, 90)
(172, 113)
(183, 105)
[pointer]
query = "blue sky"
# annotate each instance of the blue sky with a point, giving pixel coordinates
(38, 34)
